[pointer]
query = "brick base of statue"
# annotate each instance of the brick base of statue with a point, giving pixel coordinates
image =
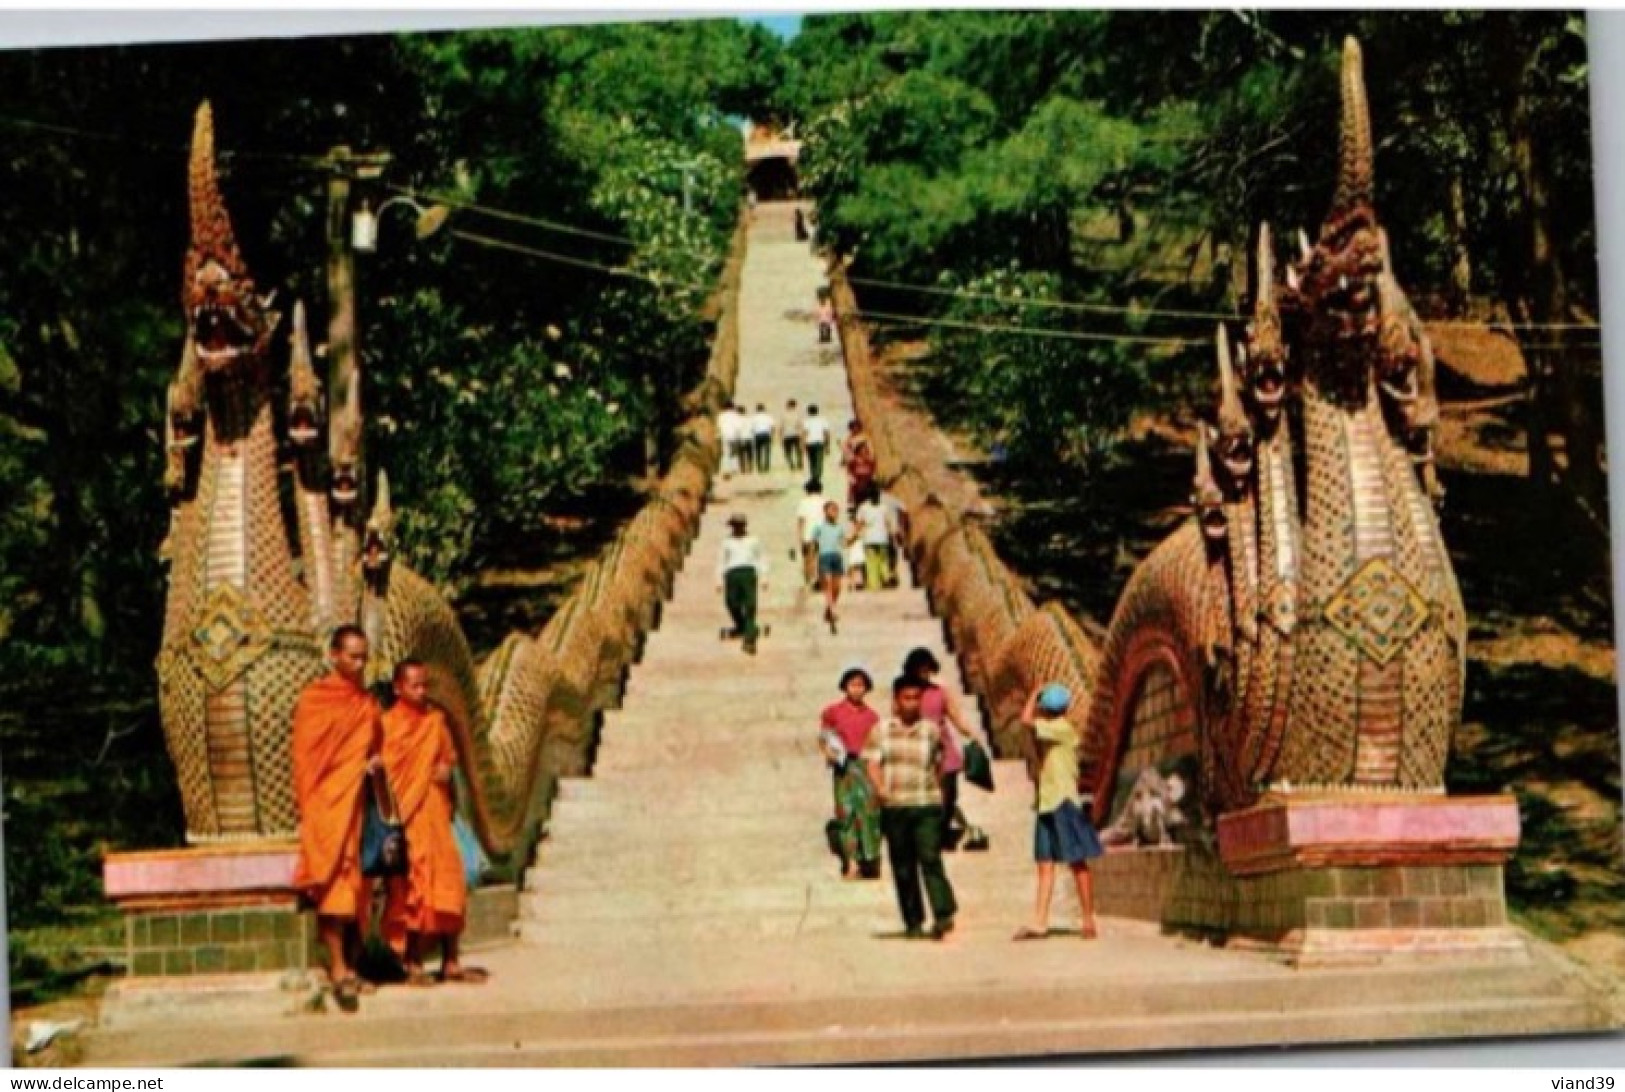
(231, 910)
(1355, 878)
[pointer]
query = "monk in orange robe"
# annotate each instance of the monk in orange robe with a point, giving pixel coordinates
(432, 898)
(336, 737)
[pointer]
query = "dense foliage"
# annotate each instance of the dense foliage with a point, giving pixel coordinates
(502, 385)
(1127, 158)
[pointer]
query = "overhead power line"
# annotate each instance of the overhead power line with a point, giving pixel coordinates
(464, 205)
(181, 150)
(1027, 331)
(1059, 305)
(320, 163)
(512, 217)
(575, 262)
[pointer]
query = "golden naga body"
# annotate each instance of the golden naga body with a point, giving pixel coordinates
(1304, 631)
(263, 569)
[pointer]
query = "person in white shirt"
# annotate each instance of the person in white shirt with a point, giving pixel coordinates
(744, 450)
(898, 515)
(875, 530)
(790, 430)
(815, 431)
(809, 514)
(762, 429)
(740, 566)
(728, 432)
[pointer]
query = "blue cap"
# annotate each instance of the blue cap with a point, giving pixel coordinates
(1055, 698)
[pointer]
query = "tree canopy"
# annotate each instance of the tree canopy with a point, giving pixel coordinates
(501, 383)
(1127, 157)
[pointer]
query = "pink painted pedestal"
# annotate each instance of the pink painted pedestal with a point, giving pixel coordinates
(247, 872)
(1381, 876)
(210, 910)
(1347, 878)
(230, 910)
(1368, 830)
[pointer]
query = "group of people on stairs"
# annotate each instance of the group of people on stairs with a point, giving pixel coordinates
(858, 549)
(896, 780)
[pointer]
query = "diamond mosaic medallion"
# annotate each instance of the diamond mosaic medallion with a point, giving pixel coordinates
(1377, 610)
(1281, 609)
(228, 637)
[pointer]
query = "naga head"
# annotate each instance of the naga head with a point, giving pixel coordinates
(1234, 442)
(1264, 357)
(1404, 354)
(344, 443)
(1338, 290)
(225, 320)
(378, 539)
(304, 391)
(1206, 496)
(1406, 376)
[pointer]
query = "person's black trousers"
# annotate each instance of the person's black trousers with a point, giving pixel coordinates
(914, 847)
(739, 593)
(815, 462)
(792, 453)
(764, 451)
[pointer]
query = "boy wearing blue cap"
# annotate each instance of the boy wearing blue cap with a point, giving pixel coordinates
(1062, 832)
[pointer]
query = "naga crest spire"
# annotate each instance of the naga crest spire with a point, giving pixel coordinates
(1339, 284)
(1354, 161)
(226, 320)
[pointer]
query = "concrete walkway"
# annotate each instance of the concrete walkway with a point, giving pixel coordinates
(685, 909)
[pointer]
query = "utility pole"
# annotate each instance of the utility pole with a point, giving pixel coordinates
(345, 167)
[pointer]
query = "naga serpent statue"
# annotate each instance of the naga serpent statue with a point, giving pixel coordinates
(1306, 621)
(264, 564)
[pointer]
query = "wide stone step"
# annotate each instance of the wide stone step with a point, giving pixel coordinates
(1029, 1009)
(1009, 774)
(669, 821)
(809, 805)
(954, 1039)
(807, 863)
(696, 717)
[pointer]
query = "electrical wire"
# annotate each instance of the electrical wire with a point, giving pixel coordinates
(181, 150)
(1027, 331)
(512, 217)
(1172, 313)
(1059, 305)
(319, 162)
(575, 262)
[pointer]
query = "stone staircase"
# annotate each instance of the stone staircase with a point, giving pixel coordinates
(685, 910)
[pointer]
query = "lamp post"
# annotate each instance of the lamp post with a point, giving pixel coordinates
(347, 232)
(364, 224)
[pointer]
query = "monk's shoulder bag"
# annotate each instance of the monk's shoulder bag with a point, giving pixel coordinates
(383, 835)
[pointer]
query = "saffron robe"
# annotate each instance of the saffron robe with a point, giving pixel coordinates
(433, 895)
(336, 730)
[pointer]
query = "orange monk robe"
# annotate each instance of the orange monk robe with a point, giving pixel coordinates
(336, 729)
(433, 896)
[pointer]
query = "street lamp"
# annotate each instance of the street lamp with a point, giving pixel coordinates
(364, 222)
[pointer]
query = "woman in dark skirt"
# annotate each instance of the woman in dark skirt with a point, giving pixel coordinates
(1062, 833)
